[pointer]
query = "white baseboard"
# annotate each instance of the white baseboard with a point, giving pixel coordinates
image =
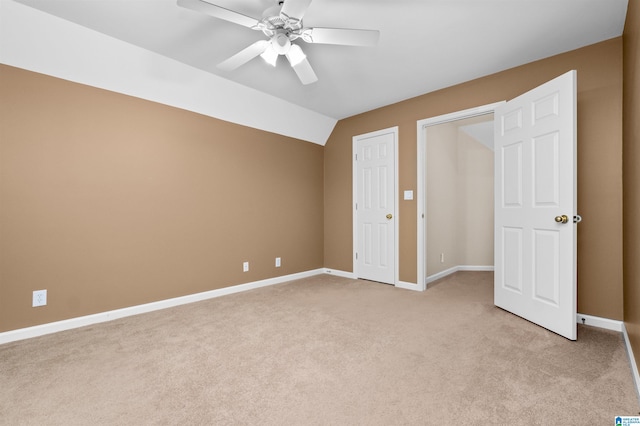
(340, 273)
(344, 274)
(454, 269)
(441, 274)
(407, 285)
(599, 322)
(475, 268)
(614, 325)
(632, 361)
(53, 327)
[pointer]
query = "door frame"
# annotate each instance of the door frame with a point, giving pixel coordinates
(355, 139)
(421, 198)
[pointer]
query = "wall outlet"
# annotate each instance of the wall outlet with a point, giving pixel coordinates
(245, 266)
(39, 298)
(441, 257)
(278, 262)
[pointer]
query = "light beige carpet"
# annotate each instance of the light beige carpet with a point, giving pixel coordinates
(323, 350)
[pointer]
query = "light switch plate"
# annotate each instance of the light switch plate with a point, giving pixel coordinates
(408, 195)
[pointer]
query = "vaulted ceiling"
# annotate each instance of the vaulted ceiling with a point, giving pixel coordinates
(424, 45)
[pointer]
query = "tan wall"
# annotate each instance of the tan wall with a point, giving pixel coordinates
(475, 201)
(599, 165)
(442, 197)
(459, 191)
(631, 40)
(110, 201)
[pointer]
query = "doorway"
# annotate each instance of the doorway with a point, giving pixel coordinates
(459, 196)
(375, 222)
(440, 201)
(534, 203)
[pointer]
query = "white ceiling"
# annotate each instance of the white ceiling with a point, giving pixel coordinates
(425, 45)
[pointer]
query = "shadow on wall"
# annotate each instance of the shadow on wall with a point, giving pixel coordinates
(459, 186)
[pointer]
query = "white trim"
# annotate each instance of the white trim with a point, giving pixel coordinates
(354, 167)
(599, 322)
(454, 269)
(53, 327)
(400, 284)
(407, 285)
(481, 268)
(421, 169)
(632, 361)
(421, 204)
(339, 273)
(441, 274)
(619, 326)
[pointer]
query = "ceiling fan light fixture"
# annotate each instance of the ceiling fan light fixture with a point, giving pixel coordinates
(270, 55)
(282, 24)
(281, 43)
(295, 55)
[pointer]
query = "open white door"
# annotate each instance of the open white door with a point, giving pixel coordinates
(375, 219)
(535, 205)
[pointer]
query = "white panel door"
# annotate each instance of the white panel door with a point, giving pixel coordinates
(535, 203)
(375, 206)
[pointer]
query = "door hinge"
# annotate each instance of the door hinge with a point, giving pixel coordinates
(356, 157)
(356, 255)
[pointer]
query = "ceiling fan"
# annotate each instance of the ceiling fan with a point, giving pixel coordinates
(282, 23)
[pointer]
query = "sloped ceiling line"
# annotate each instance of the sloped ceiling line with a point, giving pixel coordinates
(40, 42)
(159, 51)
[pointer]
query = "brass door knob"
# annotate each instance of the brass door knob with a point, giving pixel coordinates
(389, 216)
(562, 219)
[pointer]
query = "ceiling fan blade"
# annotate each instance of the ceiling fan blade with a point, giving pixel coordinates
(347, 37)
(294, 10)
(244, 56)
(304, 71)
(219, 12)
